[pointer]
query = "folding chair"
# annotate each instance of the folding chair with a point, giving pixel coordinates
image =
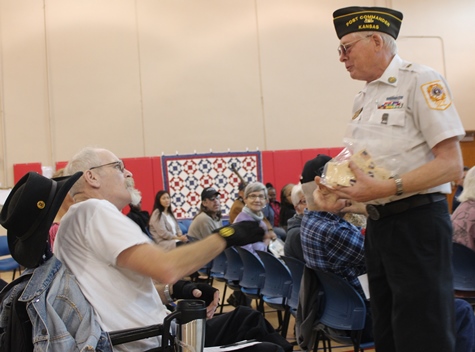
(343, 309)
(277, 288)
(253, 277)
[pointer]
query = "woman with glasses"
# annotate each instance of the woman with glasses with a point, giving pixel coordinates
(255, 199)
(163, 226)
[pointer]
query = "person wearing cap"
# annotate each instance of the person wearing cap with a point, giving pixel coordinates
(403, 114)
(209, 217)
(329, 242)
(115, 264)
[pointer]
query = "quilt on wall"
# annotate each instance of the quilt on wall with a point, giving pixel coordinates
(185, 177)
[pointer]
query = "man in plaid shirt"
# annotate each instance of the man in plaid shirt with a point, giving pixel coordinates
(329, 242)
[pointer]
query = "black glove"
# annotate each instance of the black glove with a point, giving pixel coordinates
(184, 290)
(241, 233)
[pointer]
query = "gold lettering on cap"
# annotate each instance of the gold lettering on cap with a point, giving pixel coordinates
(368, 26)
(372, 18)
(40, 204)
(350, 22)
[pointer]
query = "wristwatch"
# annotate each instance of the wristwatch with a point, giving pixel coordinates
(166, 291)
(399, 188)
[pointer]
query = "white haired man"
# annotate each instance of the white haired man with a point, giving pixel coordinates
(115, 263)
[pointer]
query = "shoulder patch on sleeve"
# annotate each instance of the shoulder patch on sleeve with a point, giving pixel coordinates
(436, 95)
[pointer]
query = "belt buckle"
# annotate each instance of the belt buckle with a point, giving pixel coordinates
(373, 212)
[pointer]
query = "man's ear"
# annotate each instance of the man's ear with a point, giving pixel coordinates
(378, 41)
(91, 178)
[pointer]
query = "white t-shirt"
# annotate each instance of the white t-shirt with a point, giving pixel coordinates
(91, 236)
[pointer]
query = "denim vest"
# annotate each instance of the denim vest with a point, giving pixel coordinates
(54, 299)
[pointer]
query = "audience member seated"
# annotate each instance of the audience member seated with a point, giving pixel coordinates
(458, 189)
(255, 198)
(329, 242)
(163, 226)
(139, 216)
(293, 244)
(62, 210)
(102, 247)
(238, 204)
(463, 218)
(273, 203)
(286, 207)
(272, 211)
(209, 217)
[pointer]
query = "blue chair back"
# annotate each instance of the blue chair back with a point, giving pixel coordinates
(254, 273)
(4, 250)
(344, 309)
(218, 269)
(463, 262)
(296, 269)
(234, 267)
(278, 280)
(184, 225)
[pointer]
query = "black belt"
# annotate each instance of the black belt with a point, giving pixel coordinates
(376, 212)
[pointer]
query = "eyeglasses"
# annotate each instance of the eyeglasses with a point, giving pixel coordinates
(343, 49)
(256, 196)
(119, 165)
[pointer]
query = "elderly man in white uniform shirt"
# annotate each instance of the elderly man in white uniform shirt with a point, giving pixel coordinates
(405, 120)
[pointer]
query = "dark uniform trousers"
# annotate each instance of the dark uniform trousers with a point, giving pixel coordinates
(408, 258)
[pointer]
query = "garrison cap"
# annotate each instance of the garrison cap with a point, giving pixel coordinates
(358, 19)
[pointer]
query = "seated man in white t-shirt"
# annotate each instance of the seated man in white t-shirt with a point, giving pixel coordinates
(114, 262)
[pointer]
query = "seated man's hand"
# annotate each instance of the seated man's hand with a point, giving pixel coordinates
(190, 290)
(326, 200)
(241, 233)
(211, 308)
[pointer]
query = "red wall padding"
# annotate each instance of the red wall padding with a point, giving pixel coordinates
(281, 167)
(19, 170)
(278, 167)
(61, 165)
(142, 170)
(285, 169)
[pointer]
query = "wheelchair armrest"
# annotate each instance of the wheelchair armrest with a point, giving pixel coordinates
(122, 336)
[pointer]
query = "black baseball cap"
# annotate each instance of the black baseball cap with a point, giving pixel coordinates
(209, 192)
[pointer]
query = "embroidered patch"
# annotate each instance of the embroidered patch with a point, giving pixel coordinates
(436, 95)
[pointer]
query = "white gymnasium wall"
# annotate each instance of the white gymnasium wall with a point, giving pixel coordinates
(146, 77)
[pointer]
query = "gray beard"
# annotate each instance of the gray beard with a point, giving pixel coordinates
(135, 196)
